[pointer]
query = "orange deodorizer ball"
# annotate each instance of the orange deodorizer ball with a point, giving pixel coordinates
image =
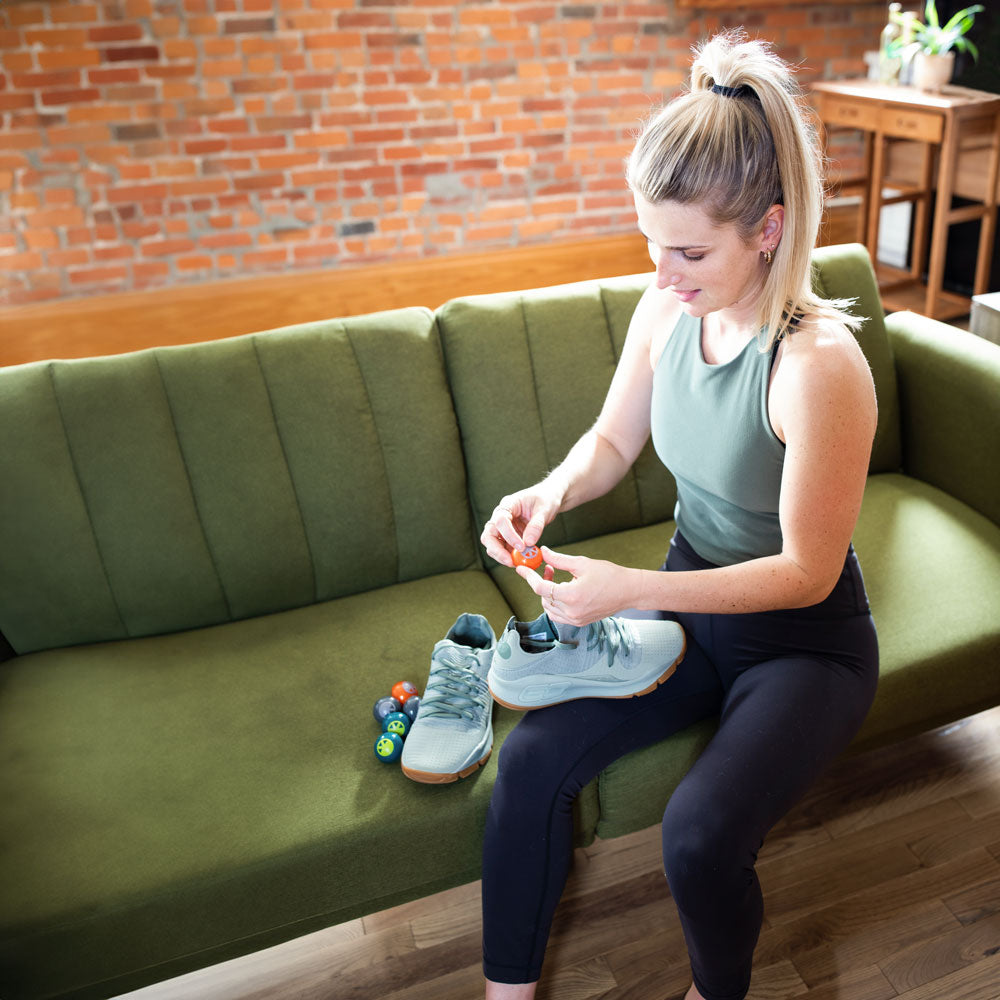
(530, 557)
(403, 690)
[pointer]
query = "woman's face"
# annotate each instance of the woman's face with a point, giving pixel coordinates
(707, 267)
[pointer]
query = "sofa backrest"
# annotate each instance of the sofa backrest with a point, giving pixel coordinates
(529, 372)
(188, 486)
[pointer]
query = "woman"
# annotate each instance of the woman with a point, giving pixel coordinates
(761, 404)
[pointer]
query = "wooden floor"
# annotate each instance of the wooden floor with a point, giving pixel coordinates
(883, 883)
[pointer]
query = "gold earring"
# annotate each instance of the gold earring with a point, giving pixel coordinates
(769, 255)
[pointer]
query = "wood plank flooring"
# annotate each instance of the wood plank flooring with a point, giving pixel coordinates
(883, 883)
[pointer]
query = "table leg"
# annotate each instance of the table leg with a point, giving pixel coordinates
(939, 236)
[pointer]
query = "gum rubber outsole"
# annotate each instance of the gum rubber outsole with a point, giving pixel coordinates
(635, 694)
(438, 778)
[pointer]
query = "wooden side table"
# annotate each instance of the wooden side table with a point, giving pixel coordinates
(940, 122)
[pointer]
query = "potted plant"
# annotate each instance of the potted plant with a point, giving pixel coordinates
(931, 45)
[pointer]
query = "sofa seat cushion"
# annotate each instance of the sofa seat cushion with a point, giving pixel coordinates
(165, 794)
(932, 570)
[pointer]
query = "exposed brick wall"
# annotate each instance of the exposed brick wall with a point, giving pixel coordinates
(150, 142)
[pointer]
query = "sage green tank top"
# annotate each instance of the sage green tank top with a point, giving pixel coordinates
(711, 429)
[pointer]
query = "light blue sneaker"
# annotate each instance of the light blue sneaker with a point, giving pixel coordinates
(539, 663)
(452, 734)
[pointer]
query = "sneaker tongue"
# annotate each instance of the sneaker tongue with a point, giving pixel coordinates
(542, 629)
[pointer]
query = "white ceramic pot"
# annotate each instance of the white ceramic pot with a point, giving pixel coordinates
(932, 72)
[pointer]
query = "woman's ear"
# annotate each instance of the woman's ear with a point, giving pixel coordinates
(774, 224)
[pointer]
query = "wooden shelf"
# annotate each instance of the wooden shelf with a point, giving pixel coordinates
(939, 125)
(898, 291)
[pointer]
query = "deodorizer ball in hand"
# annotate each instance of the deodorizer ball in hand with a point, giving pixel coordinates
(530, 557)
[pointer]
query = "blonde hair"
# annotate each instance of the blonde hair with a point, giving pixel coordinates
(736, 155)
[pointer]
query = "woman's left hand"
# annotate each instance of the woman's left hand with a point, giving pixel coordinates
(598, 588)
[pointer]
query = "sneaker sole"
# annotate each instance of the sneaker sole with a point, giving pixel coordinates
(549, 693)
(439, 778)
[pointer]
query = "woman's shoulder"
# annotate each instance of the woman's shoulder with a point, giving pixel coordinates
(822, 344)
(821, 368)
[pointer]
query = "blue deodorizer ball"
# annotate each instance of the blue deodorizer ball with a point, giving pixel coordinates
(385, 706)
(388, 747)
(396, 722)
(412, 706)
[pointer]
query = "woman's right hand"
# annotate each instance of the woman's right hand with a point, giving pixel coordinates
(518, 520)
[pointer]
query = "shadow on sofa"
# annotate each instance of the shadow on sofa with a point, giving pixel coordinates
(216, 557)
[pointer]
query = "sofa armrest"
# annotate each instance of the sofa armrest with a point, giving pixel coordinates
(949, 397)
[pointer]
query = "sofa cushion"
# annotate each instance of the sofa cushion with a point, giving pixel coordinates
(949, 408)
(166, 794)
(188, 486)
(529, 372)
(932, 570)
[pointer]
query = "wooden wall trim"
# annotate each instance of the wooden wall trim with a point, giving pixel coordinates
(112, 324)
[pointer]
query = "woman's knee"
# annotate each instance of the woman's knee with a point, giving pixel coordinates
(531, 768)
(705, 858)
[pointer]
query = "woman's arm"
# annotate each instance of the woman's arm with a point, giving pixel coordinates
(598, 461)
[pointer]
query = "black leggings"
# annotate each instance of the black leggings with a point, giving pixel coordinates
(790, 688)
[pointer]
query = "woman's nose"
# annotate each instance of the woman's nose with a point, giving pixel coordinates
(664, 276)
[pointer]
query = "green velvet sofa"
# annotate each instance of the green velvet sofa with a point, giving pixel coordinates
(214, 558)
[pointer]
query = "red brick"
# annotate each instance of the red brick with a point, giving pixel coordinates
(199, 262)
(55, 38)
(67, 59)
(98, 275)
(115, 33)
(210, 185)
(11, 102)
(20, 16)
(228, 238)
(131, 53)
(73, 13)
(165, 248)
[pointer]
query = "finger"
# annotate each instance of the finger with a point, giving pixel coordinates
(540, 585)
(559, 560)
(493, 543)
(503, 525)
(534, 528)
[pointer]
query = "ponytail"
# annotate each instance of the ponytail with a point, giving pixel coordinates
(737, 143)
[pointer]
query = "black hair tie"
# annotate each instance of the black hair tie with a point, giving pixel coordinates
(742, 91)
